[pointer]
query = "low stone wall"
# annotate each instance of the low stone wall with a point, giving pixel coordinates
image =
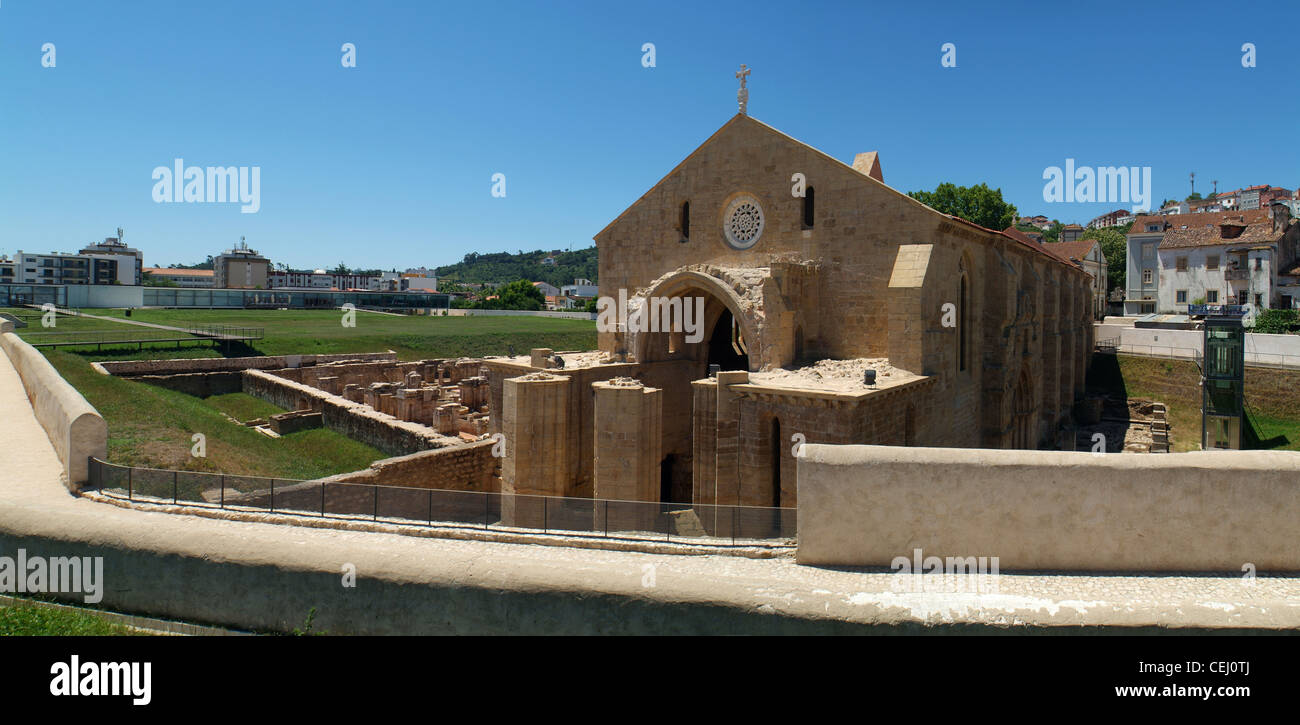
(354, 420)
(447, 472)
(198, 384)
(74, 427)
(468, 467)
(1202, 511)
(128, 368)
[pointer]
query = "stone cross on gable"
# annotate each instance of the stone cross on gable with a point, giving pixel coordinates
(742, 96)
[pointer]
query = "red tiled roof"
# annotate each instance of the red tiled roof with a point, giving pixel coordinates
(1077, 249)
(1029, 241)
(1206, 230)
(1200, 219)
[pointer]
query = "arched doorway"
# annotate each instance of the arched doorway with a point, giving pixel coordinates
(724, 344)
(710, 304)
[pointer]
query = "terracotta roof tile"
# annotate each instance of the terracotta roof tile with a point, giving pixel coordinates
(1078, 249)
(1206, 230)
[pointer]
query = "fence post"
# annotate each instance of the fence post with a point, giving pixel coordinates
(431, 507)
(272, 495)
(733, 525)
(375, 517)
(606, 518)
(174, 475)
(545, 508)
(129, 475)
(322, 499)
(223, 490)
(487, 508)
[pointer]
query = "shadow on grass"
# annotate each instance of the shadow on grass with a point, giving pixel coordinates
(229, 349)
(1250, 435)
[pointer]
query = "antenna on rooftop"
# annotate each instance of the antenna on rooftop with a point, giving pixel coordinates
(1216, 186)
(1193, 182)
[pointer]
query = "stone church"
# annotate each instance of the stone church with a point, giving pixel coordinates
(836, 310)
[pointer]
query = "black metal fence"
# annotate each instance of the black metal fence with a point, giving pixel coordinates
(227, 332)
(700, 523)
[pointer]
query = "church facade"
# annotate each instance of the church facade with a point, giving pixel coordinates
(835, 310)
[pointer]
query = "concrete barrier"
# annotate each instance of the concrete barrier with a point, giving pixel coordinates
(74, 427)
(1035, 510)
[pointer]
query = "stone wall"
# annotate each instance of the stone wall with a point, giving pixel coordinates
(870, 278)
(628, 440)
(744, 447)
(128, 368)
(354, 420)
(1201, 511)
(75, 429)
(672, 377)
(468, 467)
(198, 384)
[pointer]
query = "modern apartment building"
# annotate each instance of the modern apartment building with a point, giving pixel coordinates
(241, 268)
(130, 261)
(320, 279)
(60, 268)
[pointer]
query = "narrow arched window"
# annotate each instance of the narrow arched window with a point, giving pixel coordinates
(962, 317)
(808, 208)
(686, 220)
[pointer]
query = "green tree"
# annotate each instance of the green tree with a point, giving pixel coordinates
(1053, 234)
(978, 204)
(1195, 196)
(519, 295)
(1114, 247)
(340, 269)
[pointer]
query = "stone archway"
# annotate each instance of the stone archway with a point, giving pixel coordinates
(723, 325)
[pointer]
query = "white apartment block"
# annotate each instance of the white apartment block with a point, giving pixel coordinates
(1240, 257)
(60, 268)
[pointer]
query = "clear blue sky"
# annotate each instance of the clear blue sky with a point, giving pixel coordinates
(390, 163)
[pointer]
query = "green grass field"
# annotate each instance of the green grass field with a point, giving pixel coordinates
(412, 337)
(1176, 383)
(152, 426)
(32, 621)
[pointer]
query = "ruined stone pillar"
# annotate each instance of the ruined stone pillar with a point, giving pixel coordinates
(628, 448)
(727, 482)
(445, 419)
(540, 357)
(704, 441)
(473, 392)
(535, 422)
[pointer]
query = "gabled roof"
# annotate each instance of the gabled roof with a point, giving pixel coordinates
(870, 168)
(1028, 241)
(1200, 219)
(1206, 230)
(1076, 250)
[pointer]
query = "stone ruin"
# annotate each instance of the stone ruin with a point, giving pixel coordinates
(450, 396)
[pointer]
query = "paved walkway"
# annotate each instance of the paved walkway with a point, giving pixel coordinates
(507, 587)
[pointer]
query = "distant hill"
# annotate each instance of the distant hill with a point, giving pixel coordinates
(505, 267)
